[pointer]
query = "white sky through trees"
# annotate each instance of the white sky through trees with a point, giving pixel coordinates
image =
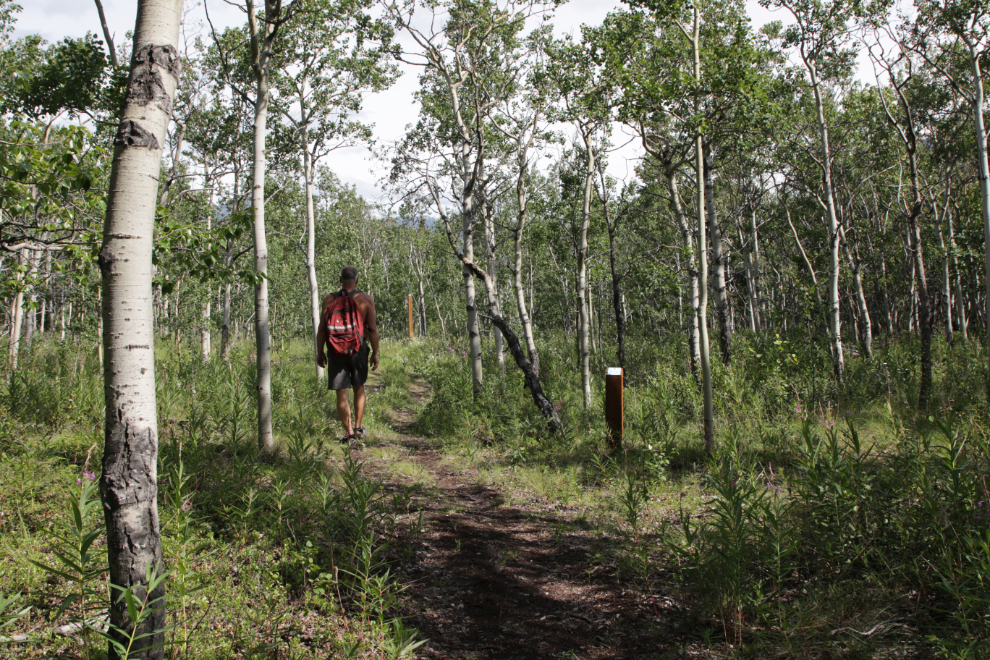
(390, 111)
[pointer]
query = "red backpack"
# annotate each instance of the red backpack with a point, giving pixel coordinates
(345, 327)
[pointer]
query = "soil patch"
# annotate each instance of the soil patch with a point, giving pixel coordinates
(488, 580)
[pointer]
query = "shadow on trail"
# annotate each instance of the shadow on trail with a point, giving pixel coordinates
(490, 581)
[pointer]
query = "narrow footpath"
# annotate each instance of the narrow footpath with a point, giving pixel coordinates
(488, 580)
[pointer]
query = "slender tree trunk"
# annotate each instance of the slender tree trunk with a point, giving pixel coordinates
(984, 175)
(924, 300)
(755, 263)
(856, 266)
(718, 263)
(490, 246)
(835, 311)
(617, 301)
(960, 299)
(946, 280)
(687, 236)
(260, 38)
(754, 315)
(706, 366)
(422, 307)
(473, 328)
(314, 287)
(206, 335)
(522, 200)
(128, 485)
(225, 324)
(17, 317)
(584, 320)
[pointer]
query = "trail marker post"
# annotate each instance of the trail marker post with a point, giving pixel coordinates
(615, 415)
(410, 317)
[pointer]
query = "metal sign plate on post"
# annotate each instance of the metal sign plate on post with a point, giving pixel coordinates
(615, 415)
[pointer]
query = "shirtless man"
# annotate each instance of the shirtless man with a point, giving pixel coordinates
(348, 373)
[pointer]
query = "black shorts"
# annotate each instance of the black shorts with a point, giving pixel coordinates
(344, 373)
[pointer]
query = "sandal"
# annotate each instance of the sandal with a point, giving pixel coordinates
(347, 438)
(358, 432)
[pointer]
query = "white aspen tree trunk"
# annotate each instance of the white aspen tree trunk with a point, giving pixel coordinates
(62, 319)
(835, 311)
(314, 287)
(984, 174)
(584, 315)
(946, 283)
(422, 307)
(618, 298)
(522, 202)
(261, 43)
(205, 334)
(961, 326)
(750, 287)
(692, 271)
(32, 313)
(755, 262)
(722, 311)
(225, 324)
(490, 246)
(856, 266)
(888, 308)
(128, 485)
(16, 318)
(706, 365)
(470, 302)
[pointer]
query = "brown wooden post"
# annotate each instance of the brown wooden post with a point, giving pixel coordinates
(410, 317)
(615, 415)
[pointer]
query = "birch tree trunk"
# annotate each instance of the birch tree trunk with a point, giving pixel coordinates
(687, 237)
(262, 40)
(755, 263)
(617, 298)
(584, 322)
(706, 366)
(856, 266)
(128, 485)
(314, 287)
(754, 314)
(835, 311)
(961, 326)
(984, 174)
(17, 312)
(517, 263)
(718, 263)
(490, 245)
(206, 334)
(225, 324)
(470, 302)
(946, 280)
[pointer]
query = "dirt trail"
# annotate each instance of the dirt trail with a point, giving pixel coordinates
(494, 581)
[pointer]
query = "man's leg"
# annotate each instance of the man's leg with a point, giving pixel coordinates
(344, 411)
(359, 400)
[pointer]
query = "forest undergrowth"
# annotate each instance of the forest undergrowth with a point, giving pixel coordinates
(827, 522)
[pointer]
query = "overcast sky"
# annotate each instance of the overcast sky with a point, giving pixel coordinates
(389, 111)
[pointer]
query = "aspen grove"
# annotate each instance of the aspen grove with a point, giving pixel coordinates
(770, 220)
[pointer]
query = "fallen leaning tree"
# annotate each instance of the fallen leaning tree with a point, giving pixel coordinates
(512, 341)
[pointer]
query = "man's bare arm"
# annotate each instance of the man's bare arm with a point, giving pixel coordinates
(371, 329)
(321, 338)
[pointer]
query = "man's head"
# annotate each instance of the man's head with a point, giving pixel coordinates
(348, 277)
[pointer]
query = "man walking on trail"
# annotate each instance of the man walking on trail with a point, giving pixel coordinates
(347, 325)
